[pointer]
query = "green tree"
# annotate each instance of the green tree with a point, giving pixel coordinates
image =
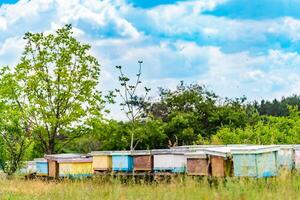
(268, 130)
(15, 130)
(58, 79)
(193, 114)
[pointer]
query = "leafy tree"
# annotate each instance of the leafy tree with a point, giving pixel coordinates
(57, 80)
(15, 130)
(193, 114)
(277, 107)
(268, 130)
(132, 104)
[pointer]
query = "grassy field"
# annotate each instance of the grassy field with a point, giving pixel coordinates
(283, 187)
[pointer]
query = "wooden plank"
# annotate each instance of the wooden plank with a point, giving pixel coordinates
(102, 162)
(143, 162)
(53, 169)
(245, 165)
(197, 166)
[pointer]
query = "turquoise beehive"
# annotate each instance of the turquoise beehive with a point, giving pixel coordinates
(255, 161)
(41, 166)
(122, 161)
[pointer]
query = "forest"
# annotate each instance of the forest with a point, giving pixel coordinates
(50, 103)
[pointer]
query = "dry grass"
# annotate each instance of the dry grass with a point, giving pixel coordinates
(283, 187)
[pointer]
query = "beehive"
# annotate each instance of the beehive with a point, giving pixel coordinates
(53, 165)
(297, 156)
(220, 161)
(255, 161)
(286, 157)
(122, 161)
(28, 168)
(41, 167)
(75, 167)
(197, 163)
(102, 161)
(167, 160)
(142, 161)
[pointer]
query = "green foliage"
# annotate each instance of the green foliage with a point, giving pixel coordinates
(56, 80)
(277, 107)
(15, 131)
(193, 114)
(269, 130)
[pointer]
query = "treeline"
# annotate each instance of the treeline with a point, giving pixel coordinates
(193, 115)
(50, 103)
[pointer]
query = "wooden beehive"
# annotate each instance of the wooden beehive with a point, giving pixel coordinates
(286, 157)
(297, 156)
(41, 167)
(197, 163)
(255, 161)
(102, 161)
(76, 167)
(167, 160)
(122, 161)
(55, 160)
(220, 162)
(142, 161)
(29, 168)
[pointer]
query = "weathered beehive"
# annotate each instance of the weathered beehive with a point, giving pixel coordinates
(41, 166)
(220, 161)
(122, 161)
(297, 156)
(167, 160)
(142, 160)
(29, 168)
(53, 165)
(102, 161)
(286, 157)
(75, 167)
(197, 163)
(255, 161)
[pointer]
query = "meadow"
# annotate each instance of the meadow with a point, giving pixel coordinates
(283, 187)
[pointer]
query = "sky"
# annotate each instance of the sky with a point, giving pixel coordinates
(234, 47)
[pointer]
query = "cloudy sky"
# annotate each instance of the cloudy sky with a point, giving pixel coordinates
(234, 47)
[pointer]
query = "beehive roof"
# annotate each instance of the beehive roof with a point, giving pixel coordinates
(120, 153)
(100, 153)
(40, 160)
(254, 149)
(218, 151)
(141, 152)
(196, 154)
(75, 160)
(64, 156)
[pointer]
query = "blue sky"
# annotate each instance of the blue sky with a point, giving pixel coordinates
(234, 47)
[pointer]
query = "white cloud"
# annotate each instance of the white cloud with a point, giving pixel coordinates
(121, 34)
(288, 26)
(3, 24)
(11, 50)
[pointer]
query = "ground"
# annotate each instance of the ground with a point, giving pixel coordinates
(283, 187)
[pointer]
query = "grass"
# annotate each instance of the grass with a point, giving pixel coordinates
(283, 187)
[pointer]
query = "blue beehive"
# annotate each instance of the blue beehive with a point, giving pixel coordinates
(255, 161)
(122, 161)
(41, 166)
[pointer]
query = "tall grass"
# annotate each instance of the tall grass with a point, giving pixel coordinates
(283, 187)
